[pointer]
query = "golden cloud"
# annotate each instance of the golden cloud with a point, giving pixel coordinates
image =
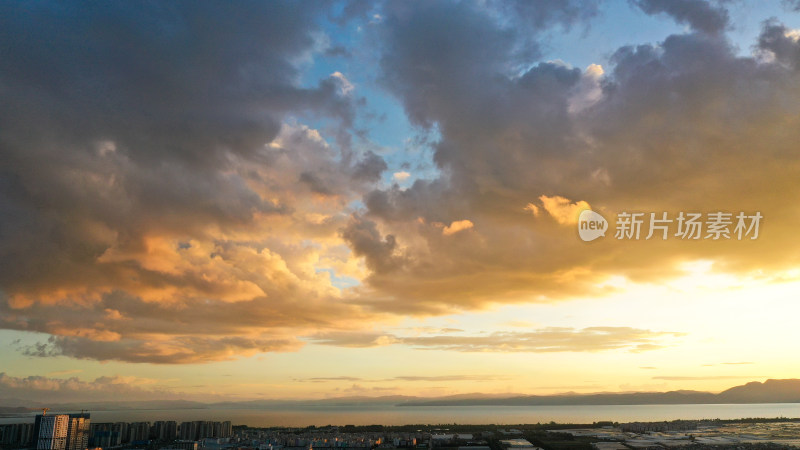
(562, 209)
(208, 227)
(456, 226)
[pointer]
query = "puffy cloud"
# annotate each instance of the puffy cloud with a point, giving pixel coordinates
(561, 209)
(401, 176)
(781, 43)
(687, 124)
(699, 14)
(456, 226)
(45, 389)
(366, 241)
(533, 209)
(370, 167)
(159, 205)
(589, 90)
(345, 85)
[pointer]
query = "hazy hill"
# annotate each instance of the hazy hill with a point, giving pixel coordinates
(771, 391)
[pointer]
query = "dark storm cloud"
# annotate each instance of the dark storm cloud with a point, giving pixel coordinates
(698, 14)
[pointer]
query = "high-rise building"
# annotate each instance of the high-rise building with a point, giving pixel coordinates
(50, 432)
(109, 434)
(189, 431)
(78, 432)
(204, 429)
(227, 429)
(102, 435)
(121, 428)
(222, 429)
(138, 431)
(16, 434)
(164, 430)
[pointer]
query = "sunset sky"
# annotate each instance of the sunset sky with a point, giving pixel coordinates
(236, 200)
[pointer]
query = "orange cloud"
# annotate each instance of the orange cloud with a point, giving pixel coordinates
(210, 227)
(544, 340)
(456, 226)
(562, 209)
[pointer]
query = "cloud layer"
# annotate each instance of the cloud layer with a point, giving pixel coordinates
(555, 339)
(687, 124)
(164, 198)
(47, 389)
(158, 204)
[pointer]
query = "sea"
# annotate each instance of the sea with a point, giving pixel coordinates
(319, 415)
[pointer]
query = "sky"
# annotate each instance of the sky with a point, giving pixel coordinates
(297, 200)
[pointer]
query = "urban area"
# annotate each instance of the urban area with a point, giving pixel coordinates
(75, 431)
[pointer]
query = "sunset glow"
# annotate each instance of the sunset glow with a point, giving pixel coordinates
(301, 200)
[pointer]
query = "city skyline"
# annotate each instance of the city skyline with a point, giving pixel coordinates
(274, 200)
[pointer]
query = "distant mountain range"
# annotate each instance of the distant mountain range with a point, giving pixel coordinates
(770, 391)
(15, 406)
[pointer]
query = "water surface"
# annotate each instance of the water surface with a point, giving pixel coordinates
(393, 415)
